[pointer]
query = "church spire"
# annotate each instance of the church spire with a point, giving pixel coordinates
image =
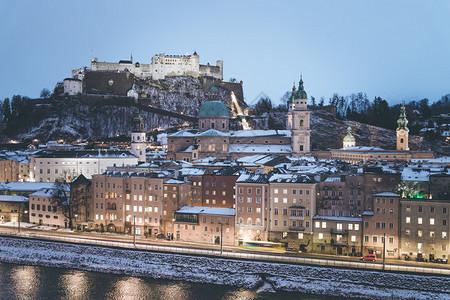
(131, 57)
(402, 120)
(301, 94)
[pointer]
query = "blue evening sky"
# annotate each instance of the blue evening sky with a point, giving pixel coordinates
(393, 49)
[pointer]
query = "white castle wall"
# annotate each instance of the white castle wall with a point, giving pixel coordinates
(163, 66)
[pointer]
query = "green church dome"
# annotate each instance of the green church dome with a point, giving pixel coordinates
(213, 109)
(349, 137)
(301, 94)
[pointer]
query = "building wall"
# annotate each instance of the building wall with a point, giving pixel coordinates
(163, 66)
(207, 230)
(252, 211)
(343, 198)
(175, 197)
(9, 171)
(9, 211)
(425, 228)
(386, 220)
(337, 236)
(218, 190)
(73, 86)
(45, 211)
(117, 201)
(58, 169)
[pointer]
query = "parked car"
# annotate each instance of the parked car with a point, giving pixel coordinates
(369, 257)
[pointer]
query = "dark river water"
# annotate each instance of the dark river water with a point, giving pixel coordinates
(30, 282)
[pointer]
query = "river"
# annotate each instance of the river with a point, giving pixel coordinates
(32, 282)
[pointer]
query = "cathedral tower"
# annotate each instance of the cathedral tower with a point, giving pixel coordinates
(300, 130)
(138, 137)
(402, 130)
(291, 104)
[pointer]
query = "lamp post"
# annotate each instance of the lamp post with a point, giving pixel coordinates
(221, 237)
(134, 231)
(18, 227)
(76, 223)
(384, 249)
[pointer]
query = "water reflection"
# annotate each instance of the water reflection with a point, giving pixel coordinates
(25, 281)
(28, 282)
(74, 285)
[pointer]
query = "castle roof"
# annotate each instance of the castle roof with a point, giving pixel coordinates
(213, 108)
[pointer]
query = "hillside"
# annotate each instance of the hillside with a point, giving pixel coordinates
(168, 104)
(328, 132)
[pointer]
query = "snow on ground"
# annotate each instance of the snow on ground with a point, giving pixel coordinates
(261, 276)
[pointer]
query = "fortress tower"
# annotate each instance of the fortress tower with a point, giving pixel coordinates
(402, 130)
(300, 128)
(138, 138)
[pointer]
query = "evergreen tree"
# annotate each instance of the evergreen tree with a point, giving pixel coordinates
(6, 110)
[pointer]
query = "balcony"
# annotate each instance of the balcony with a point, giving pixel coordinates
(296, 228)
(339, 231)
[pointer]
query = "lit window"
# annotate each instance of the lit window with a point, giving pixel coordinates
(408, 220)
(419, 221)
(431, 221)
(320, 236)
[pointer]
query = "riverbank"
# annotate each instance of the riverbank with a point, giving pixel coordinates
(260, 276)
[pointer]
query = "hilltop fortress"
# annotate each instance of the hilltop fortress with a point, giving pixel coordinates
(162, 66)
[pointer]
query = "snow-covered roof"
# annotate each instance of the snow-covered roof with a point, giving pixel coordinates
(439, 160)
(97, 154)
(184, 133)
(343, 219)
(174, 181)
(191, 172)
(368, 213)
(260, 133)
(260, 148)
(408, 174)
(207, 210)
(213, 132)
(292, 178)
(252, 178)
(26, 186)
(363, 148)
(333, 179)
(9, 198)
(387, 194)
(49, 193)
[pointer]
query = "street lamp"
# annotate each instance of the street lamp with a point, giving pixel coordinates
(134, 231)
(384, 249)
(18, 228)
(221, 238)
(76, 222)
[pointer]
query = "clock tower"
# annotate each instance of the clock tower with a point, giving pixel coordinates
(138, 138)
(300, 124)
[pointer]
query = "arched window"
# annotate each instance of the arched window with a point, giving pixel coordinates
(258, 221)
(249, 221)
(401, 140)
(213, 125)
(241, 220)
(301, 122)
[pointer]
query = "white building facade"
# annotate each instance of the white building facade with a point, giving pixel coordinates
(68, 165)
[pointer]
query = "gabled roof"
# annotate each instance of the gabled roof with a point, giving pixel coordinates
(81, 180)
(213, 132)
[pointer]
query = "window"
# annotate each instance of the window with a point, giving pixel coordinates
(419, 221)
(408, 220)
(275, 200)
(444, 234)
(249, 199)
(391, 240)
(339, 226)
(320, 236)
(249, 209)
(408, 232)
(420, 209)
(275, 211)
(391, 225)
(317, 224)
(350, 226)
(375, 239)
(431, 221)
(419, 233)
(432, 234)
(356, 226)
(353, 238)
(300, 235)
(324, 224)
